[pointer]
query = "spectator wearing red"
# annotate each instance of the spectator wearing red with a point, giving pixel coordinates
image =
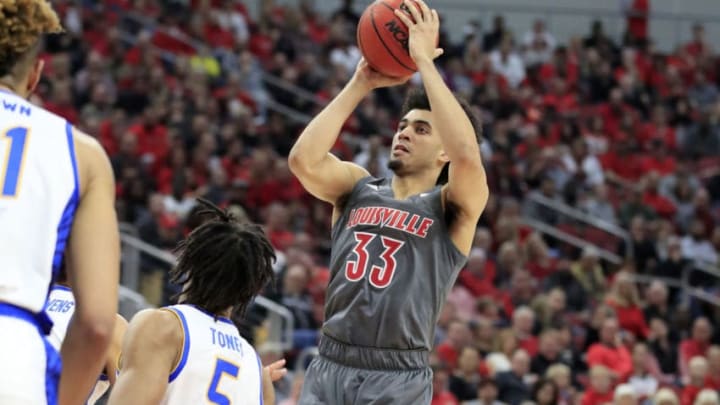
(658, 160)
(610, 352)
(625, 300)
(658, 128)
(600, 391)
(523, 322)
(696, 345)
(662, 205)
(697, 380)
(478, 274)
(458, 336)
(637, 12)
(441, 395)
(698, 46)
(713, 358)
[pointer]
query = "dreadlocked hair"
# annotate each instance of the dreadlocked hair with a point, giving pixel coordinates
(22, 24)
(417, 99)
(223, 263)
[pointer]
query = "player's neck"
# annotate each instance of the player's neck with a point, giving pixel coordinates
(411, 184)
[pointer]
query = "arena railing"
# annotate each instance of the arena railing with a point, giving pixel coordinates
(281, 321)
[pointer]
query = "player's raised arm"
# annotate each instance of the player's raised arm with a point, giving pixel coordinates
(467, 184)
(151, 349)
(323, 174)
(93, 266)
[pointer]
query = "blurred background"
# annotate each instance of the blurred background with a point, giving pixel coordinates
(594, 272)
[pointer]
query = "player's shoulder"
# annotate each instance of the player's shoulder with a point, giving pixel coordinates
(161, 325)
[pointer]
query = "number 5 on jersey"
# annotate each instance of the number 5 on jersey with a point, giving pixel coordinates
(380, 277)
(222, 367)
(15, 140)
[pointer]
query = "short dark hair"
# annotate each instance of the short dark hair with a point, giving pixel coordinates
(417, 99)
(223, 263)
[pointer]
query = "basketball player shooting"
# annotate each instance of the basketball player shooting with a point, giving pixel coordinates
(399, 243)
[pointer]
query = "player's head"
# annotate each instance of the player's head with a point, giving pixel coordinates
(223, 263)
(416, 146)
(22, 26)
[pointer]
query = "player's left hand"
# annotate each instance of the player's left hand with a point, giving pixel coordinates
(275, 371)
(423, 28)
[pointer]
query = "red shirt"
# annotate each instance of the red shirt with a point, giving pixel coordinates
(662, 205)
(444, 398)
(448, 354)
(690, 392)
(617, 359)
(662, 166)
(638, 23)
(479, 284)
(628, 166)
(529, 344)
(592, 397)
(690, 348)
(631, 318)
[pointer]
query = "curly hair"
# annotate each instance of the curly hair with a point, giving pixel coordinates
(22, 24)
(223, 263)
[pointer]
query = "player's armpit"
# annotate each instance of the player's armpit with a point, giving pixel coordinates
(329, 179)
(150, 351)
(113, 354)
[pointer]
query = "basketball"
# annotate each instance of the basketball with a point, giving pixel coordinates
(383, 39)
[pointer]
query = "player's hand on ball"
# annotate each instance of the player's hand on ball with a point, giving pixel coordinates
(372, 79)
(275, 371)
(423, 30)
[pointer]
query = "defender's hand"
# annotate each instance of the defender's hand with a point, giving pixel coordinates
(371, 79)
(423, 30)
(275, 371)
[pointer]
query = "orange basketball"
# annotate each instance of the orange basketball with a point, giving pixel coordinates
(383, 39)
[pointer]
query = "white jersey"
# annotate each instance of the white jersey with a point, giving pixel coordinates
(39, 194)
(217, 365)
(60, 308)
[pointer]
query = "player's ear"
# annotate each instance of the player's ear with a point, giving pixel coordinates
(443, 157)
(35, 74)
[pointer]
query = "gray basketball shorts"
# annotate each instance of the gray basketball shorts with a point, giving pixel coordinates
(352, 375)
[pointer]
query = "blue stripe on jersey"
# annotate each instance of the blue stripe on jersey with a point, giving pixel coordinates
(260, 367)
(186, 345)
(63, 229)
(215, 317)
(61, 288)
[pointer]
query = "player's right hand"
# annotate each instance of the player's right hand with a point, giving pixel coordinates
(371, 79)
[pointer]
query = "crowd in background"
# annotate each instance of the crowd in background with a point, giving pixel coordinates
(178, 97)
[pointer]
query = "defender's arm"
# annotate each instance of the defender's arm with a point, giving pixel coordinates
(93, 261)
(151, 349)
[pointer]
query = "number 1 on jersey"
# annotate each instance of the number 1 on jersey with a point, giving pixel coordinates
(222, 367)
(12, 166)
(380, 277)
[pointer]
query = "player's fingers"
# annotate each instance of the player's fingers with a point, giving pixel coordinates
(417, 14)
(427, 15)
(404, 18)
(435, 16)
(439, 52)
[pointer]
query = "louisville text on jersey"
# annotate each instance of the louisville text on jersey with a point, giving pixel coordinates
(392, 218)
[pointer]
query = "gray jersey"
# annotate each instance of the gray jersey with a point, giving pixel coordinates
(392, 265)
